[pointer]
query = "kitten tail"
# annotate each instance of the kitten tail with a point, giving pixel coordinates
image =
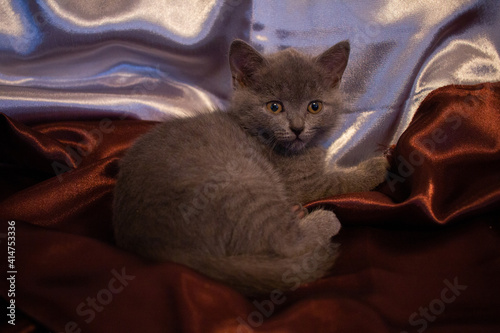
(261, 275)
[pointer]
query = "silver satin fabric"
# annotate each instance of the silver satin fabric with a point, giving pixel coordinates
(153, 59)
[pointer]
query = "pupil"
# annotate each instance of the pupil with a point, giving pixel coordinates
(314, 106)
(274, 107)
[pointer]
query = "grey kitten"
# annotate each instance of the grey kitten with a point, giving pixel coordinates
(220, 192)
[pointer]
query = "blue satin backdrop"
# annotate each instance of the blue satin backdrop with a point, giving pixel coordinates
(153, 59)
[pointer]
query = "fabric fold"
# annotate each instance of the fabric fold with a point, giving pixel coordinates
(445, 166)
(444, 170)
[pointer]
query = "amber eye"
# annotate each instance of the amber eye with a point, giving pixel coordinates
(274, 107)
(315, 107)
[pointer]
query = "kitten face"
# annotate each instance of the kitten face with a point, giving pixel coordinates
(289, 100)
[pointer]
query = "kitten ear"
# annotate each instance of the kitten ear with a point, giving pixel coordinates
(244, 61)
(334, 61)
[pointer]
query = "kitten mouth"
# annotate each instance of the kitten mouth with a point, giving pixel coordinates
(296, 145)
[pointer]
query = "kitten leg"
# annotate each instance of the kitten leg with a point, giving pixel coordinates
(364, 177)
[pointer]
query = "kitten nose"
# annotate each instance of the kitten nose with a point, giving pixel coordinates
(297, 130)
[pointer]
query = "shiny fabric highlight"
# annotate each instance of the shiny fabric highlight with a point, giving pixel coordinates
(445, 166)
(394, 260)
(68, 59)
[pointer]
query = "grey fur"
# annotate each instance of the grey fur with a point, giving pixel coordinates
(217, 192)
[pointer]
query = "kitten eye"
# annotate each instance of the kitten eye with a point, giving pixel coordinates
(274, 107)
(315, 107)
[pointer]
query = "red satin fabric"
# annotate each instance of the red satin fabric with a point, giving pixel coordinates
(397, 271)
(445, 167)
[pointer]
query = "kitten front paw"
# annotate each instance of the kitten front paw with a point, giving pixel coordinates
(374, 171)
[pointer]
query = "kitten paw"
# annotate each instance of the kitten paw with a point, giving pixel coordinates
(374, 171)
(320, 225)
(315, 230)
